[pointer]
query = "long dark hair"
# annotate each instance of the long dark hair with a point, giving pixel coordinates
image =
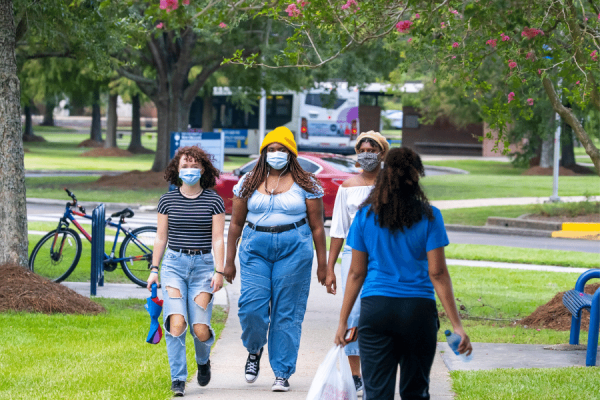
(397, 199)
(304, 179)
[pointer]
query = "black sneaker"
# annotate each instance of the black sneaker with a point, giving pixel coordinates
(253, 366)
(358, 383)
(178, 388)
(280, 385)
(204, 374)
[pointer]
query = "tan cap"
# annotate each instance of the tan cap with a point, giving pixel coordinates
(377, 137)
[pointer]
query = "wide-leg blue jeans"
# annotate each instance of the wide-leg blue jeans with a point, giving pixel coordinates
(275, 270)
(351, 349)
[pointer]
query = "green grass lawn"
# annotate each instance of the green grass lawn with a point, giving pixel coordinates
(87, 357)
(495, 298)
(492, 179)
(575, 259)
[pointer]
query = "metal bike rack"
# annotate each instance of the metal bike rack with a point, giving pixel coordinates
(98, 228)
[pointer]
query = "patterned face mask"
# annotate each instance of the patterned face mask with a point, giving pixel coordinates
(368, 161)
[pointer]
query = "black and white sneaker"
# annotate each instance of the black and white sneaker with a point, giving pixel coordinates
(358, 383)
(204, 374)
(280, 385)
(178, 388)
(253, 366)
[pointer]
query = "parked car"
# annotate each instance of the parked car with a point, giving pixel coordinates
(331, 169)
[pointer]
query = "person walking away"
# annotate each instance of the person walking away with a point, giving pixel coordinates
(371, 148)
(284, 209)
(191, 219)
(398, 241)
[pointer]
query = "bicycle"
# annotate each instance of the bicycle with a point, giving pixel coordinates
(56, 255)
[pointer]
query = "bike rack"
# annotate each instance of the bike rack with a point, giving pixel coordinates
(98, 228)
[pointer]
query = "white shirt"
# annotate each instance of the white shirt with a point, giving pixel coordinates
(347, 203)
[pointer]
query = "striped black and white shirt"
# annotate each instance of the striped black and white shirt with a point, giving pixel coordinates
(190, 220)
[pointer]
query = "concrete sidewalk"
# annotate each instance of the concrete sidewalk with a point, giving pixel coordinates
(228, 356)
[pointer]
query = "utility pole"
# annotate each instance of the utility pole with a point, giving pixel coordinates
(554, 198)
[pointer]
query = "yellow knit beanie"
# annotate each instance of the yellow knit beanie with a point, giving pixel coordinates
(281, 135)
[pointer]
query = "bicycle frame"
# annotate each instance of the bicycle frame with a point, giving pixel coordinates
(69, 216)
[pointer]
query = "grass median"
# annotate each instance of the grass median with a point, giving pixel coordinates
(87, 357)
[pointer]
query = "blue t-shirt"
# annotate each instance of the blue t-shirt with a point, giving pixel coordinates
(397, 263)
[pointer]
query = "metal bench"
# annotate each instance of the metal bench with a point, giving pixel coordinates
(575, 301)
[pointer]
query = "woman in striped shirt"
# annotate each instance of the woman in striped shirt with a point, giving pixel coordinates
(191, 219)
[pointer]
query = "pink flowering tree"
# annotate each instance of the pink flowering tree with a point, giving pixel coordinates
(535, 46)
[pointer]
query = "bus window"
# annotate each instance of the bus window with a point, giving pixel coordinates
(317, 101)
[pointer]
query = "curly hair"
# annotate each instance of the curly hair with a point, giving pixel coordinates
(372, 142)
(258, 175)
(397, 198)
(209, 175)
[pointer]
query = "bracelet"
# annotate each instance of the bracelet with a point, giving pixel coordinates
(154, 272)
(219, 272)
(154, 266)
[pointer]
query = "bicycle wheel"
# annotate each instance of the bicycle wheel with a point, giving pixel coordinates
(56, 255)
(137, 247)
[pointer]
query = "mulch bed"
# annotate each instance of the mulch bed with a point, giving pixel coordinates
(574, 170)
(134, 180)
(24, 291)
(554, 315)
(91, 143)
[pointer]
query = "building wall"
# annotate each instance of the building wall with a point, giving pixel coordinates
(369, 117)
(441, 137)
(488, 144)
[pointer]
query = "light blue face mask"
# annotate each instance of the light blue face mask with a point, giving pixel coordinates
(277, 159)
(190, 176)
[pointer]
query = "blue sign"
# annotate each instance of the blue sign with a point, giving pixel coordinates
(236, 138)
(210, 142)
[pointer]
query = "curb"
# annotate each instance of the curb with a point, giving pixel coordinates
(499, 230)
(450, 170)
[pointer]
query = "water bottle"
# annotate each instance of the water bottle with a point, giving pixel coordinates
(453, 341)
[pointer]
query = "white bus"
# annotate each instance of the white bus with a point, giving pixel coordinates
(325, 119)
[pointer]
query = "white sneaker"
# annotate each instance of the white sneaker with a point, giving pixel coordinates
(280, 385)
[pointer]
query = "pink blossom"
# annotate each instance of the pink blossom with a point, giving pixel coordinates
(453, 57)
(443, 24)
(511, 64)
(594, 55)
(455, 45)
(511, 96)
(348, 5)
(434, 80)
(530, 33)
(222, 25)
(169, 5)
(417, 16)
(577, 83)
(504, 37)
(302, 3)
(409, 40)
(539, 71)
(530, 56)
(598, 16)
(160, 25)
(454, 12)
(186, 2)
(491, 42)
(530, 101)
(523, 81)
(403, 26)
(293, 11)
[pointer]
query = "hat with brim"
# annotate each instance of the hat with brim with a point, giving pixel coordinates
(376, 136)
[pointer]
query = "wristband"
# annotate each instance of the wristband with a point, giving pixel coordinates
(219, 272)
(154, 272)
(153, 266)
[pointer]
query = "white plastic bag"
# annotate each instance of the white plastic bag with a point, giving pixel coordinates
(331, 383)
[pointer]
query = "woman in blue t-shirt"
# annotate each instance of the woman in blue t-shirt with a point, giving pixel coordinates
(397, 241)
(283, 207)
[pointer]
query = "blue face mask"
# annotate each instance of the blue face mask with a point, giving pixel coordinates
(277, 159)
(190, 176)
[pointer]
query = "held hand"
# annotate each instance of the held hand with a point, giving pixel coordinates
(341, 334)
(153, 278)
(465, 343)
(330, 283)
(230, 272)
(322, 274)
(217, 282)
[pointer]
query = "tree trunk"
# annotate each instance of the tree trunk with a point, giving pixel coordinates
(96, 129)
(28, 131)
(567, 150)
(13, 210)
(161, 158)
(136, 129)
(207, 112)
(111, 122)
(49, 113)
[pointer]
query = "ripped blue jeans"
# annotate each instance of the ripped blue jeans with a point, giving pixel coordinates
(191, 275)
